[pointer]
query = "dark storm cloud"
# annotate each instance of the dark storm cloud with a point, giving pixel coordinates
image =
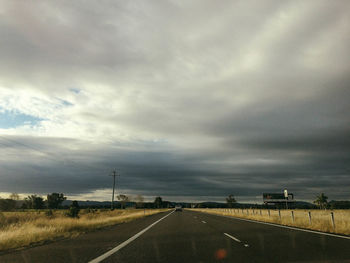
(192, 100)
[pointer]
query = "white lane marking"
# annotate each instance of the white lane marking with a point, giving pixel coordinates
(288, 227)
(235, 239)
(120, 246)
(246, 245)
(204, 222)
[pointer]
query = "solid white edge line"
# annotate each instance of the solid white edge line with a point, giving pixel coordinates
(204, 222)
(120, 246)
(232, 237)
(282, 226)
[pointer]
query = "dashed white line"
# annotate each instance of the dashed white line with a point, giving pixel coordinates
(282, 226)
(235, 239)
(232, 237)
(204, 222)
(112, 251)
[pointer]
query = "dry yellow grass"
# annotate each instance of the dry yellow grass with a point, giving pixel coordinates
(320, 219)
(20, 229)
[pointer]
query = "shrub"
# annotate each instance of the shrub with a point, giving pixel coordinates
(7, 204)
(54, 200)
(49, 213)
(2, 219)
(73, 210)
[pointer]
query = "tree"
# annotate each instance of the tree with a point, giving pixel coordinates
(123, 199)
(158, 202)
(54, 200)
(74, 210)
(321, 201)
(7, 204)
(139, 201)
(14, 196)
(230, 200)
(34, 202)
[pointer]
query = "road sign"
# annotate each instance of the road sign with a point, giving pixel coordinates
(286, 196)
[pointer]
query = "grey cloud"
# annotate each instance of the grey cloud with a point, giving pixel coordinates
(161, 173)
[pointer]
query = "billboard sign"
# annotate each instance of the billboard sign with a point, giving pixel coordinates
(277, 197)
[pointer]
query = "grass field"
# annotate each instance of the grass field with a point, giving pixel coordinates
(321, 220)
(20, 229)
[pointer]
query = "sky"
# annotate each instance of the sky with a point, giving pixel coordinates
(189, 100)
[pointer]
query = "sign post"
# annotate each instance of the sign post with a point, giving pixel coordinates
(286, 197)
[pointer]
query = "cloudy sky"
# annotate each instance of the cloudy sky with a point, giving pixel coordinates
(190, 100)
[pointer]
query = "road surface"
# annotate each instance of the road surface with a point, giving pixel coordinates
(190, 237)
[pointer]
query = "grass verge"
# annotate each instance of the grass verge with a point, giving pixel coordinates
(21, 229)
(319, 220)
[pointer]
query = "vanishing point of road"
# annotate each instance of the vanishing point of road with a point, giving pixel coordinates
(190, 236)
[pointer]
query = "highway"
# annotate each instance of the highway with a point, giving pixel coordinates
(190, 236)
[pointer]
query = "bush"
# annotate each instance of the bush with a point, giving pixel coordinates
(34, 202)
(7, 204)
(54, 200)
(90, 210)
(2, 219)
(49, 213)
(74, 210)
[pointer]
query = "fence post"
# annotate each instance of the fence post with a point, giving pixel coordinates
(279, 213)
(268, 210)
(260, 212)
(292, 216)
(332, 217)
(247, 211)
(309, 217)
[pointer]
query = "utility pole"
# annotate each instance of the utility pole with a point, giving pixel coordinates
(114, 174)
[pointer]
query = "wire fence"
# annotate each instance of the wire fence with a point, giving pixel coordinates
(332, 221)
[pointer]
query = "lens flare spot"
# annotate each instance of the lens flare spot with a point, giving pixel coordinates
(220, 253)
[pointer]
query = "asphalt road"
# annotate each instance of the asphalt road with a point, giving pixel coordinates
(191, 237)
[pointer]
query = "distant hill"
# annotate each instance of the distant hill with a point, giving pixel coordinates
(88, 203)
(167, 204)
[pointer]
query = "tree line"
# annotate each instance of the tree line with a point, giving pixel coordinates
(321, 202)
(55, 200)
